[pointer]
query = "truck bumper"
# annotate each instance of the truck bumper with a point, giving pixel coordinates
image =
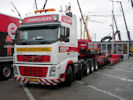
(38, 74)
(41, 81)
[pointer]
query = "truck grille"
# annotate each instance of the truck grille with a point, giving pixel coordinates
(33, 71)
(33, 58)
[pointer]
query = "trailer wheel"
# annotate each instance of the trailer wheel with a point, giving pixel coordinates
(96, 66)
(69, 76)
(5, 71)
(86, 69)
(92, 68)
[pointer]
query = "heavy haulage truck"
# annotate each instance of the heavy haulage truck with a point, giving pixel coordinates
(8, 26)
(47, 50)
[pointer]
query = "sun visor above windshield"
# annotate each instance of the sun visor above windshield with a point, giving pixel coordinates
(31, 25)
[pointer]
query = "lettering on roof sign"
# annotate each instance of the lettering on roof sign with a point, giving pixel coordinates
(67, 20)
(39, 19)
(46, 18)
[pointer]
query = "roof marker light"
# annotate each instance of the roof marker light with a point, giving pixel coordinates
(44, 10)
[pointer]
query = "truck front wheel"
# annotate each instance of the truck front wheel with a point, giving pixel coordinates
(69, 76)
(5, 71)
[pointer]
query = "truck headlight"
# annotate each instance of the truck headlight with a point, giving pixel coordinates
(52, 71)
(15, 69)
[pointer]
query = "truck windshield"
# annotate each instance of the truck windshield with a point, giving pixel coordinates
(37, 35)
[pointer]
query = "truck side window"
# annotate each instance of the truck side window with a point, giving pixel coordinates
(62, 34)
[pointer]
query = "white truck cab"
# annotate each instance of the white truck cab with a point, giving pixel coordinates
(46, 48)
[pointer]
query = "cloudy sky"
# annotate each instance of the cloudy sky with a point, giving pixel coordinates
(98, 26)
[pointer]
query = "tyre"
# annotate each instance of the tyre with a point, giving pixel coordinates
(69, 76)
(86, 69)
(96, 66)
(106, 61)
(79, 74)
(92, 67)
(5, 71)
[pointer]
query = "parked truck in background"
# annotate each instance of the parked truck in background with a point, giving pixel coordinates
(8, 26)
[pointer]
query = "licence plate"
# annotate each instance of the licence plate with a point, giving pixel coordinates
(33, 80)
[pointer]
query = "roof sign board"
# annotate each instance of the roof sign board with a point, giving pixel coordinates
(40, 19)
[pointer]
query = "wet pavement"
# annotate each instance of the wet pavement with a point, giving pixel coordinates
(113, 82)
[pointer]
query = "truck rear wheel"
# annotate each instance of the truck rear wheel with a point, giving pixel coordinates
(79, 74)
(5, 71)
(69, 76)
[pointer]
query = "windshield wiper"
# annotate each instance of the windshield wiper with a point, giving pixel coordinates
(34, 42)
(45, 42)
(22, 42)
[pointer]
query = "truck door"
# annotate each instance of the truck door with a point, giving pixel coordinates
(64, 45)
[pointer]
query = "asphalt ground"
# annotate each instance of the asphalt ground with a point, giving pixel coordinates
(113, 82)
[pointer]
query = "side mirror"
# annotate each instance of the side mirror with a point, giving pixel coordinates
(66, 39)
(67, 32)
